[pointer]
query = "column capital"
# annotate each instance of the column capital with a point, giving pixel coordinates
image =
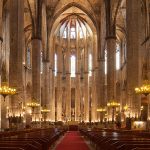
(86, 72)
(36, 38)
(1, 39)
(96, 68)
(101, 59)
(46, 61)
(78, 73)
(59, 72)
(110, 37)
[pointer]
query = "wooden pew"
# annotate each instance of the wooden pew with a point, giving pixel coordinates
(11, 148)
(132, 146)
(36, 139)
(106, 140)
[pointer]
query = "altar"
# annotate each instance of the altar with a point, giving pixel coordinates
(73, 125)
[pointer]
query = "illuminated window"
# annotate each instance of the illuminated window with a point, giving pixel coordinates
(73, 34)
(105, 62)
(41, 63)
(81, 33)
(65, 34)
(55, 71)
(125, 52)
(117, 57)
(90, 65)
(28, 57)
(73, 66)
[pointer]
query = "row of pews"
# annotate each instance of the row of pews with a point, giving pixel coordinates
(33, 139)
(118, 140)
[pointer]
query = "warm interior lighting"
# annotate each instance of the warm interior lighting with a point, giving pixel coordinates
(113, 104)
(6, 90)
(101, 110)
(142, 107)
(45, 110)
(144, 89)
(33, 104)
(126, 107)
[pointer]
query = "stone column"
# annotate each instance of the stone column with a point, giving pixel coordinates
(1, 34)
(45, 100)
(4, 66)
(111, 51)
(1, 53)
(94, 92)
(99, 73)
(59, 82)
(46, 81)
(86, 81)
(68, 79)
(133, 41)
(94, 97)
(16, 52)
(36, 69)
(78, 86)
(52, 81)
(102, 81)
(36, 75)
(1, 19)
(101, 58)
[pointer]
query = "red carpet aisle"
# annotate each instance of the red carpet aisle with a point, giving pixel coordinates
(72, 141)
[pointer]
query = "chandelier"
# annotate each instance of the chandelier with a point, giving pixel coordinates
(125, 108)
(101, 109)
(45, 110)
(33, 104)
(6, 90)
(113, 104)
(144, 89)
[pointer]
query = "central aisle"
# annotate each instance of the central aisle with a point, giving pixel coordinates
(72, 141)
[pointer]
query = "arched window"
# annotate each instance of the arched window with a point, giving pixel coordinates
(105, 61)
(73, 34)
(28, 57)
(117, 57)
(81, 33)
(73, 66)
(55, 65)
(90, 64)
(41, 63)
(125, 52)
(65, 33)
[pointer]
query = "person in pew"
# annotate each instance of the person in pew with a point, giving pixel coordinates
(27, 126)
(55, 129)
(118, 124)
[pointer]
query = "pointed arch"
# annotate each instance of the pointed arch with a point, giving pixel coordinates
(74, 4)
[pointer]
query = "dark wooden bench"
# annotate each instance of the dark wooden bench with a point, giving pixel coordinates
(131, 146)
(121, 140)
(36, 139)
(11, 148)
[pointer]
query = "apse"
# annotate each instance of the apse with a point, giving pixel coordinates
(73, 50)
